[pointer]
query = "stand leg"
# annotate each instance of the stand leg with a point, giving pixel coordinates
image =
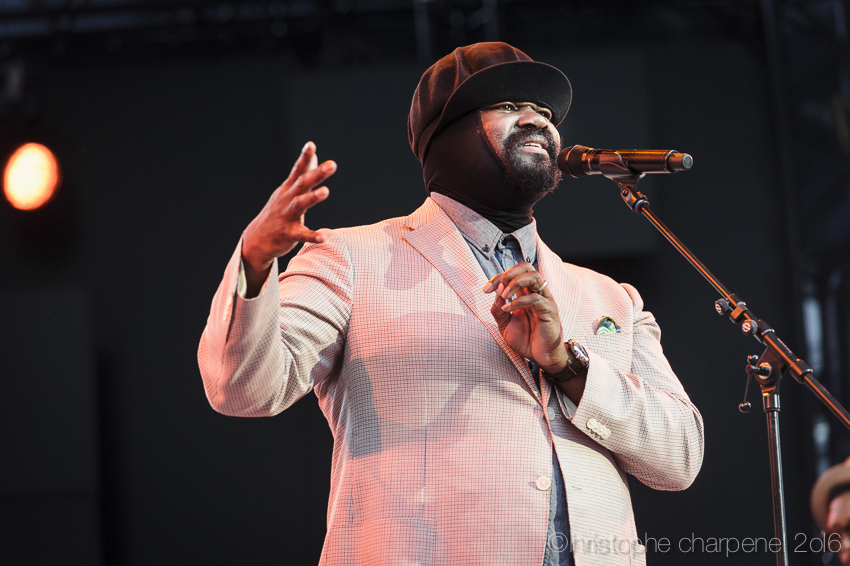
(771, 410)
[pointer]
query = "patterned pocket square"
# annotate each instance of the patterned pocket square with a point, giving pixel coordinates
(606, 325)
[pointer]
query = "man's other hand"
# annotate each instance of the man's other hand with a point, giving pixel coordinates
(529, 323)
(280, 225)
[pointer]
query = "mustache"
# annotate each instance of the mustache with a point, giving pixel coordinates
(525, 135)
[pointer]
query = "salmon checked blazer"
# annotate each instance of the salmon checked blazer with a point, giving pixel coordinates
(442, 440)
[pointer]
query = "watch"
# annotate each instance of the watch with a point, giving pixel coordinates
(575, 367)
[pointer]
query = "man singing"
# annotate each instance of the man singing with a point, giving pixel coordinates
(486, 399)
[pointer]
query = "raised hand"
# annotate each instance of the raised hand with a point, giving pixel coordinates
(530, 323)
(280, 225)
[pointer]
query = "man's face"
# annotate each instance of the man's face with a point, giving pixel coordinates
(838, 526)
(526, 142)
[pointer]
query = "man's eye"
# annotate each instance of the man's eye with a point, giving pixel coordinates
(508, 107)
(545, 113)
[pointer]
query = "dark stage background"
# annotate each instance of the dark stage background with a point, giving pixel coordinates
(112, 454)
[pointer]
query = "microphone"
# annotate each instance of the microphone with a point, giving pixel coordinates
(580, 161)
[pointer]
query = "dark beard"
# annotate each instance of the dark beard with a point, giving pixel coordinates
(537, 176)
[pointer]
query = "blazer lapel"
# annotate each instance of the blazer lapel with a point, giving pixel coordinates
(435, 236)
(564, 284)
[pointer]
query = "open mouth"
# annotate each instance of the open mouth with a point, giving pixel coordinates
(535, 147)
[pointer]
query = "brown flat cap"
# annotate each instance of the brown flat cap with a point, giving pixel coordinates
(477, 75)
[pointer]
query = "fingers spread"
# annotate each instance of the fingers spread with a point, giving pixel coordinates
(310, 179)
(306, 173)
(302, 164)
(307, 235)
(300, 204)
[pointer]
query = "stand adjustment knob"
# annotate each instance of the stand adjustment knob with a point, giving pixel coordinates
(722, 306)
(749, 327)
(761, 369)
(745, 405)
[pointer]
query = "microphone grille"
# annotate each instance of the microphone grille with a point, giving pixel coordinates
(570, 160)
(680, 162)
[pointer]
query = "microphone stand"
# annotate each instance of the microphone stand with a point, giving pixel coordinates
(766, 369)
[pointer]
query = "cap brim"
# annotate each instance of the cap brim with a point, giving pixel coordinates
(829, 480)
(515, 81)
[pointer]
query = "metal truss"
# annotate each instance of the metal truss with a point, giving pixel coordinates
(334, 31)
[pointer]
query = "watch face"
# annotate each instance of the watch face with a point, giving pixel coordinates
(580, 354)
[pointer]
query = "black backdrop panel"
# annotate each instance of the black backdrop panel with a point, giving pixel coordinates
(48, 430)
(169, 159)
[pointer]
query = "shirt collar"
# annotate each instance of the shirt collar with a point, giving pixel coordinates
(482, 234)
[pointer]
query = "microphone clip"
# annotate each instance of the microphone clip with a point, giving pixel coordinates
(633, 198)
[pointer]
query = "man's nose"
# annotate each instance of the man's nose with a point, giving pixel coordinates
(529, 117)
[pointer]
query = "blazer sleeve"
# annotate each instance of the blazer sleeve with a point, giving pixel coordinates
(258, 356)
(647, 420)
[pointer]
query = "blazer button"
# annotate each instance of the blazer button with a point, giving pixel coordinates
(550, 412)
(543, 483)
(228, 307)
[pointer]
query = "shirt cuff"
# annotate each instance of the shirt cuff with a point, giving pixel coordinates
(567, 405)
(242, 281)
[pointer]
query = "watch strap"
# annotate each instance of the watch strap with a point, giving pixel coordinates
(562, 376)
(575, 367)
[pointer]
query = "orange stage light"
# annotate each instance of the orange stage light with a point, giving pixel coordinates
(31, 177)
